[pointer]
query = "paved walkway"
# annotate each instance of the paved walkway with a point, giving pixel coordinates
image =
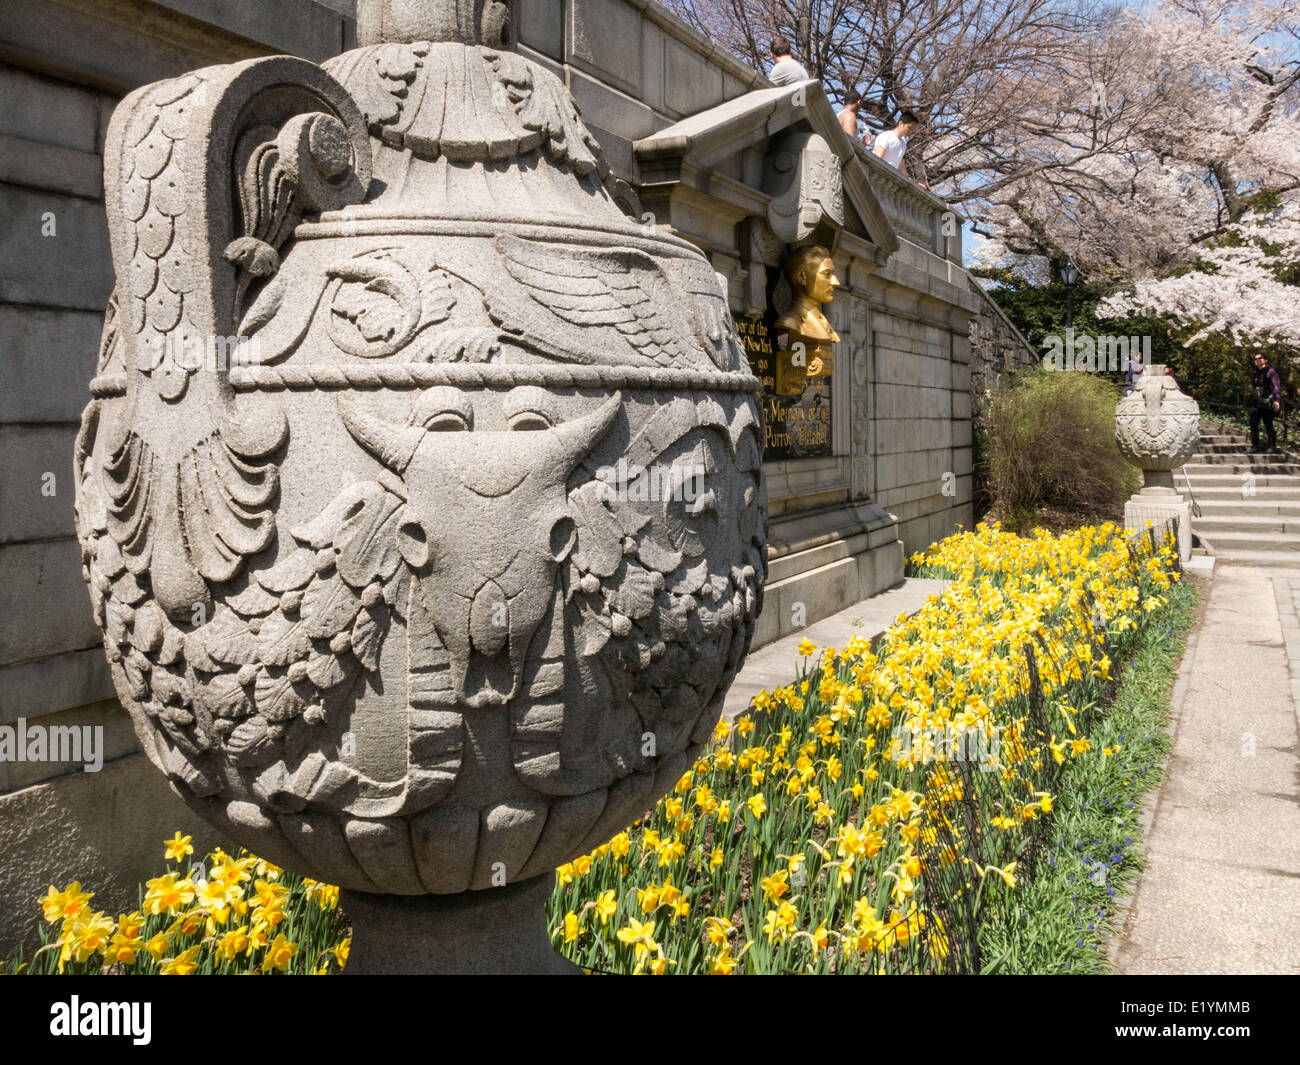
(775, 663)
(1221, 888)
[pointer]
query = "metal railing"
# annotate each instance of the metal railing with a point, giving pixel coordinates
(1230, 405)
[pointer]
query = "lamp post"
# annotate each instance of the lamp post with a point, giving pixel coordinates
(1070, 275)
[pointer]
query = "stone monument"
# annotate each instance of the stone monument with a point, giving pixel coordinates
(358, 480)
(1158, 427)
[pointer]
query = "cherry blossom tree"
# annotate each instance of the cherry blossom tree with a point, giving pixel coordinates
(1245, 288)
(1159, 148)
(1183, 116)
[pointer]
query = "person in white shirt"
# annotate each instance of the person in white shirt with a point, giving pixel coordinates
(891, 145)
(786, 70)
(849, 116)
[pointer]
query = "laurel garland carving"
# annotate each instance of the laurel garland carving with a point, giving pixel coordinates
(258, 696)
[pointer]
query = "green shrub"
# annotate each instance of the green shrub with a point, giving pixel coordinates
(1050, 451)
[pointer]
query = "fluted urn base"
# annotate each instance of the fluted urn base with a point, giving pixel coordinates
(493, 932)
(1158, 482)
(1157, 503)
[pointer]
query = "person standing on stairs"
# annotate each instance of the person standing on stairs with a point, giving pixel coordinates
(1266, 401)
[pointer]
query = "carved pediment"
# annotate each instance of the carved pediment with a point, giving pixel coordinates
(811, 183)
(803, 176)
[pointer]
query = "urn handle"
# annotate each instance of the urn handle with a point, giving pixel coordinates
(205, 178)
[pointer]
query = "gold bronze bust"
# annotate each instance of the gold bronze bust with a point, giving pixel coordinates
(811, 274)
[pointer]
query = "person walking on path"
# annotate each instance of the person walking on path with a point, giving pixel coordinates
(891, 145)
(786, 70)
(1265, 402)
(849, 116)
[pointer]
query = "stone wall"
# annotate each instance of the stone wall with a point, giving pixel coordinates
(632, 66)
(999, 351)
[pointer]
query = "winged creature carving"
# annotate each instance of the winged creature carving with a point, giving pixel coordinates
(632, 308)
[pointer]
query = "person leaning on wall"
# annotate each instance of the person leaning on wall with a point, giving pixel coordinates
(848, 117)
(786, 70)
(891, 145)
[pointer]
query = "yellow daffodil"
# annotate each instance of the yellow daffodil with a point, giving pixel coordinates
(341, 952)
(123, 948)
(183, 964)
(775, 886)
(279, 954)
(178, 847)
(640, 936)
(570, 927)
(86, 934)
(606, 906)
(233, 943)
(60, 905)
(166, 894)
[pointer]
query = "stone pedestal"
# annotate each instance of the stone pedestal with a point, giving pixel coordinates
(1157, 504)
(494, 932)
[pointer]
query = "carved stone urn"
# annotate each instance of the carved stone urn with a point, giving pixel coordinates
(1157, 427)
(420, 493)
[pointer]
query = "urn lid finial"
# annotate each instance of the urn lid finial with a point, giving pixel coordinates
(463, 21)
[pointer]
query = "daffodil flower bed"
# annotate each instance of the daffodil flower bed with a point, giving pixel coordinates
(225, 914)
(860, 818)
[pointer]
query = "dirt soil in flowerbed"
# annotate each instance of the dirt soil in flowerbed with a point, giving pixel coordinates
(1058, 521)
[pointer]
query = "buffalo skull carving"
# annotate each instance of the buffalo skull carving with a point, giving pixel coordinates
(486, 521)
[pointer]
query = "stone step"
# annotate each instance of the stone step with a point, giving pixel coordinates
(1270, 559)
(1247, 505)
(1224, 542)
(1243, 458)
(1209, 482)
(1213, 469)
(1214, 527)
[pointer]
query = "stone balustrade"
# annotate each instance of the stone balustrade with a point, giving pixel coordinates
(916, 214)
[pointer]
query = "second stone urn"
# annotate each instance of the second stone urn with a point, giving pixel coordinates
(420, 492)
(1157, 428)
